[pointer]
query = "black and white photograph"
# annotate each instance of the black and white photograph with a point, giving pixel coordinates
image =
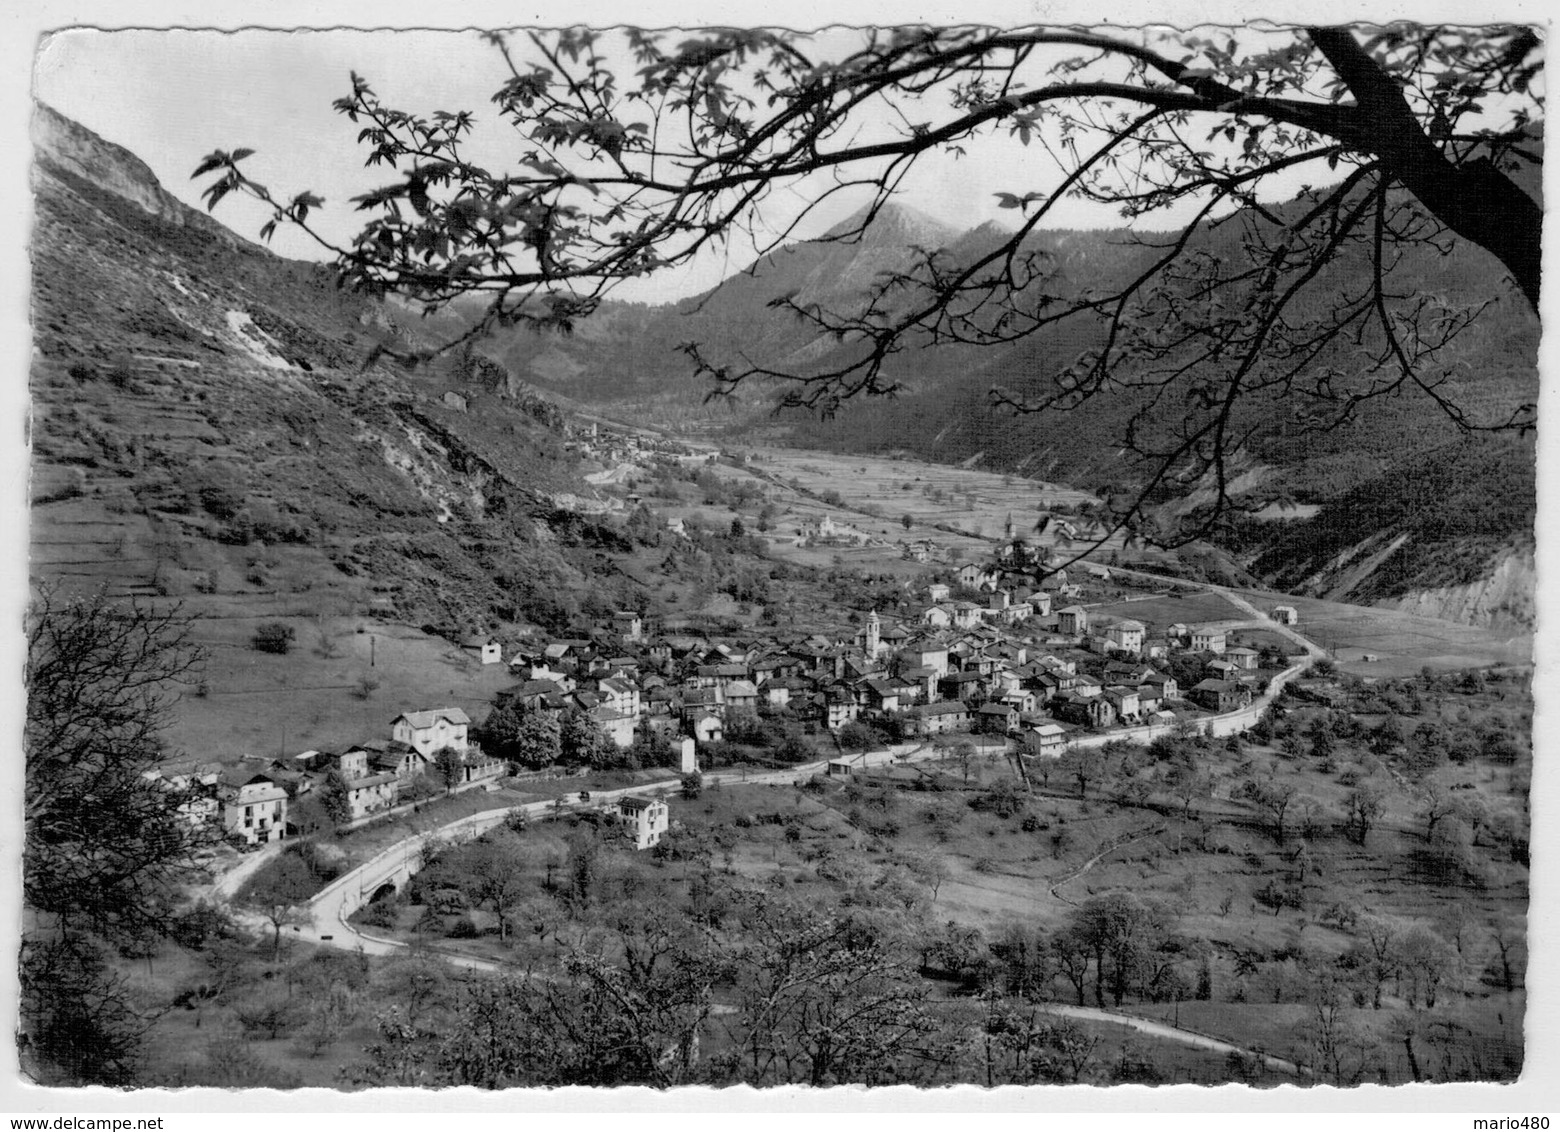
(592, 551)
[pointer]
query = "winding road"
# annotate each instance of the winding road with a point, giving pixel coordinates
(1259, 620)
(324, 920)
(1172, 1033)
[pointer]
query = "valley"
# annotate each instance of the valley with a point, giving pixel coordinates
(838, 762)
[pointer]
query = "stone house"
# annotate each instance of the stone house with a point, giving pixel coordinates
(742, 694)
(387, 756)
(966, 614)
(372, 793)
(1125, 703)
(836, 707)
(620, 695)
(936, 617)
(615, 724)
(939, 718)
(1045, 740)
(996, 718)
(1084, 710)
(880, 695)
(254, 806)
(486, 649)
(1204, 639)
(1073, 621)
(706, 727)
(1220, 696)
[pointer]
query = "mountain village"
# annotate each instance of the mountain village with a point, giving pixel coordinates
(508, 716)
(1005, 666)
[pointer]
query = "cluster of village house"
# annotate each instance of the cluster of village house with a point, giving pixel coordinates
(249, 800)
(957, 666)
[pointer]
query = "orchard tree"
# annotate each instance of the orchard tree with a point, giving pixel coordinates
(1272, 798)
(1336, 1044)
(1123, 933)
(856, 737)
(1364, 805)
(450, 765)
(692, 786)
(336, 797)
(825, 998)
(496, 875)
(279, 892)
(1303, 173)
(1188, 784)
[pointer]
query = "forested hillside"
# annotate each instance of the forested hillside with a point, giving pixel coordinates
(1294, 453)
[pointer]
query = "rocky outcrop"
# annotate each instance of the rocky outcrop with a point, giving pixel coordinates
(77, 150)
(1503, 599)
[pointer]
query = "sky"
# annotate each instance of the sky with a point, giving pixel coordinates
(172, 96)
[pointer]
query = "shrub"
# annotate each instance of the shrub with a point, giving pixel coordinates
(447, 900)
(274, 637)
(325, 862)
(220, 489)
(380, 914)
(267, 1013)
(1339, 916)
(1001, 798)
(120, 372)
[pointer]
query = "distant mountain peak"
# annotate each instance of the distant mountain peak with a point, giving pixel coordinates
(898, 224)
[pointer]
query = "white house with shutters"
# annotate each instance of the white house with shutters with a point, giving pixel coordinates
(1126, 635)
(430, 731)
(643, 820)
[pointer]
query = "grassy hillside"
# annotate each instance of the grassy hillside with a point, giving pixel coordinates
(205, 426)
